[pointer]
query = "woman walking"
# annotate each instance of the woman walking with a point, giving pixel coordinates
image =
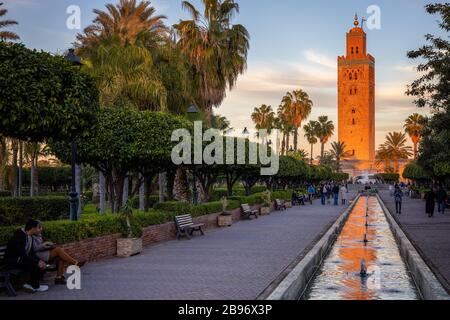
(343, 192)
(430, 198)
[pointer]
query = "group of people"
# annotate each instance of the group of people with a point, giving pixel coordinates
(27, 251)
(434, 196)
(333, 191)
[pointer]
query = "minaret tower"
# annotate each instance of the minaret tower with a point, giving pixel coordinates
(356, 105)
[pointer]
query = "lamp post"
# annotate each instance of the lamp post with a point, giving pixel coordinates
(74, 197)
(246, 133)
(194, 111)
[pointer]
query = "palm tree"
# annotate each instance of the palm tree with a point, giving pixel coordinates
(6, 35)
(221, 123)
(382, 157)
(264, 118)
(325, 132)
(396, 149)
(300, 106)
(216, 49)
(338, 152)
(413, 127)
(127, 21)
(284, 124)
(311, 132)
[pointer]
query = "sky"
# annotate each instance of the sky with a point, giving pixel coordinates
(294, 45)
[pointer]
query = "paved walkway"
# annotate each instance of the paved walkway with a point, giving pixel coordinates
(430, 236)
(235, 263)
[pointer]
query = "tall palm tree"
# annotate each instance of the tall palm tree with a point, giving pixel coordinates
(311, 133)
(6, 35)
(382, 157)
(396, 149)
(325, 132)
(413, 127)
(264, 118)
(216, 49)
(284, 123)
(221, 123)
(339, 152)
(299, 105)
(128, 21)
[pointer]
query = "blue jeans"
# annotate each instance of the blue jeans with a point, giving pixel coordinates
(324, 199)
(336, 199)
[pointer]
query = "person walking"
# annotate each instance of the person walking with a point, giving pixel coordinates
(323, 194)
(398, 195)
(344, 192)
(336, 194)
(311, 193)
(430, 198)
(391, 190)
(441, 198)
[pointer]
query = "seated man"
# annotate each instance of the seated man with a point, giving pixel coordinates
(48, 253)
(20, 255)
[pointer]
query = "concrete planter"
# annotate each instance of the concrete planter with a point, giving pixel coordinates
(288, 204)
(264, 211)
(225, 220)
(129, 247)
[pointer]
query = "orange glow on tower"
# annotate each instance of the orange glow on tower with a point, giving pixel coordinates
(356, 97)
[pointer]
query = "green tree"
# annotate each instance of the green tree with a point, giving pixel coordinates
(300, 106)
(311, 134)
(339, 152)
(6, 35)
(264, 118)
(413, 127)
(216, 49)
(325, 132)
(51, 98)
(396, 149)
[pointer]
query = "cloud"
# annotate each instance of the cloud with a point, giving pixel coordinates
(320, 59)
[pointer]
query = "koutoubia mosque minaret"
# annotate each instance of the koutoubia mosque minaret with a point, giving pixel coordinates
(356, 102)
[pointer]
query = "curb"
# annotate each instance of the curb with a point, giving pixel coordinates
(426, 282)
(296, 282)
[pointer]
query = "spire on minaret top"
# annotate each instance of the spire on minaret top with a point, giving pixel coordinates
(356, 22)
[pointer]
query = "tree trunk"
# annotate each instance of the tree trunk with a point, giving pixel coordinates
(170, 181)
(181, 185)
(288, 142)
(78, 188)
(102, 191)
(33, 169)
(2, 159)
(283, 144)
(161, 187)
(36, 174)
(322, 152)
(296, 139)
(126, 187)
(415, 151)
(141, 193)
(20, 174)
(14, 173)
(118, 182)
(312, 154)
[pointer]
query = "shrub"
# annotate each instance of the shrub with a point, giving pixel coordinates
(18, 210)
(282, 195)
(173, 208)
(5, 194)
(388, 177)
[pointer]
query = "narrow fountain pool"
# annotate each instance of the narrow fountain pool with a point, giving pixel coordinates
(340, 276)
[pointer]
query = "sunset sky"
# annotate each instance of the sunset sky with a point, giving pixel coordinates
(294, 44)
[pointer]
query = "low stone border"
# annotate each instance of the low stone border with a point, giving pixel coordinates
(429, 286)
(296, 282)
(95, 249)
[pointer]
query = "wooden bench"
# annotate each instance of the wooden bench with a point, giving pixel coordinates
(186, 227)
(5, 275)
(280, 205)
(247, 212)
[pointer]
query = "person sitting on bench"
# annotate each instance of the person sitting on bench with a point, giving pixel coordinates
(49, 253)
(20, 255)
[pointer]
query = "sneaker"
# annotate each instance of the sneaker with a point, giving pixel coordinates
(29, 288)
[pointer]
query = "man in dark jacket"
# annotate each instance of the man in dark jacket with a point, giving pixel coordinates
(20, 255)
(441, 199)
(430, 198)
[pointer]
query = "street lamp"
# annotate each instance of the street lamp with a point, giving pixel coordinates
(246, 133)
(74, 197)
(194, 111)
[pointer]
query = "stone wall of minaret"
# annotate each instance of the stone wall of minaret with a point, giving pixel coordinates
(356, 95)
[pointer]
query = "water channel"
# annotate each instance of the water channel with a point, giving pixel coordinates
(365, 262)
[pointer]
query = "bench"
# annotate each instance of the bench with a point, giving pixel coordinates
(247, 212)
(5, 275)
(280, 205)
(186, 227)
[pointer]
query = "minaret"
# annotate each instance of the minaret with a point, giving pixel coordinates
(356, 98)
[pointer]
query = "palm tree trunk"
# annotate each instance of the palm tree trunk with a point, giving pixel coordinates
(322, 152)
(415, 150)
(126, 190)
(312, 154)
(288, 137)
(296, 139)
(102, 191)
(283, 145)
(181, 185)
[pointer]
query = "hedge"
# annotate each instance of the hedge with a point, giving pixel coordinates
(174, 208)
(65, 231)
(18, 210)
(5, 194)
(388, 177)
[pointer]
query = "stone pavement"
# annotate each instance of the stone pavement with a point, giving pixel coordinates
(234, 263)
(430, 236)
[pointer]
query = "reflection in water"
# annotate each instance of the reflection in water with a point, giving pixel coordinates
(387, 277)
